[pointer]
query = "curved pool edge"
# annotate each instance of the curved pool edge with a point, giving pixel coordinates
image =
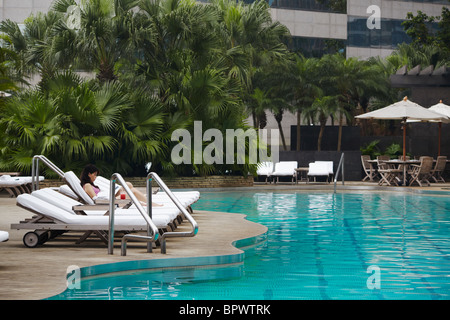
(139, 265)
(177, 262)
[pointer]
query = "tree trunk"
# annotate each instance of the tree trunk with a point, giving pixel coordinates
(298, 130)
(319, 139)
(279, 118)
(262, 122)
(255, 121)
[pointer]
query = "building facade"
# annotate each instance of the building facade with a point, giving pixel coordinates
(364, 28)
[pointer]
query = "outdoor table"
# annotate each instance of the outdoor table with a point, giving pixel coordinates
(399, 162)
(301, 169)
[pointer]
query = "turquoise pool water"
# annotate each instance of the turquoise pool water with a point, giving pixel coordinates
(319, 246)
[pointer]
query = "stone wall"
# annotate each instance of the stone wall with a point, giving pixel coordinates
(178, 182)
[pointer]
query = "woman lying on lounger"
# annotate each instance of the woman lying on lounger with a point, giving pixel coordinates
(90, 173)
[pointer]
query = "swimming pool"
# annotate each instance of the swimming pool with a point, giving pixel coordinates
(319, 246)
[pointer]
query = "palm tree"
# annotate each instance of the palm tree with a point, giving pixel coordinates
(321, 109)
(351, 79)
(32, 44)
(95, 34)
(306, 87)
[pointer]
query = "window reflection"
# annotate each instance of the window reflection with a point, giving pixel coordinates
(389, 36)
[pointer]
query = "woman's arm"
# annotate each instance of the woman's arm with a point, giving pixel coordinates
(89, 190)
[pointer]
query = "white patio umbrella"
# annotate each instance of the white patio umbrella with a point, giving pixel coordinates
(404, 110)
(442, 109)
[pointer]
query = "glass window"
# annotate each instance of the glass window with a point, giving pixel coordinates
(338, 6)
(388, 36)
(315, 47)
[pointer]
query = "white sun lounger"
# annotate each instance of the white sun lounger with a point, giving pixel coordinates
(4, 236)
(318, 169)
(285, 169)
(16, 185)
(74, 189)
(49, 217)
(75, 207)
(265, 169)
(329, 165)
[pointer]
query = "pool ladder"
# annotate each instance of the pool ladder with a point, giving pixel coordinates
(152, 231)
(35, 170)
(339, 168)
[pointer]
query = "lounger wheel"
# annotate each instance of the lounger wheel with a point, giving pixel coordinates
(31, 239)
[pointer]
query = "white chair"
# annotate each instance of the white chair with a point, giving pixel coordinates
(16, 185)
(49, 217)
(265, 169)
(318, 169)
(329, 165)
(285, 169)
(4, 236)
(74, 190)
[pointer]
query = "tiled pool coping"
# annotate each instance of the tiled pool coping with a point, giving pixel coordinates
(139, 265)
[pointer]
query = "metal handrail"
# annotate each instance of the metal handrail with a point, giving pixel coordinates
(340, 166)
(152, 230)
(35, 170)
(162, 185)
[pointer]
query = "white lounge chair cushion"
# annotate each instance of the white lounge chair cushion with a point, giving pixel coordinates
(37, 205)
(63, 202)
(105, 184)
(285, 168)
(4, 236)
(186, 198)
(329, 165)
(57, 199)
(265, 169)
(318, 169)
(75, 185)
(7, 180)
(65, 189)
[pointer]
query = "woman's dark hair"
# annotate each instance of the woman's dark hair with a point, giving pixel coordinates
(84, 177)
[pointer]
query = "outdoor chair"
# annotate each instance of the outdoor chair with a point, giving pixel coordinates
(16, 185)
(370, 172)
(75, 191)
(265, 169)
(75, 207)
(389, 173)
(51, 218)
(420, 173)
(436, 172)
(329, 166)
(318, 169)
(285, 169)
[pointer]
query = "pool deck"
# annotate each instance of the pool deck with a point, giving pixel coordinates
(39, 273)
